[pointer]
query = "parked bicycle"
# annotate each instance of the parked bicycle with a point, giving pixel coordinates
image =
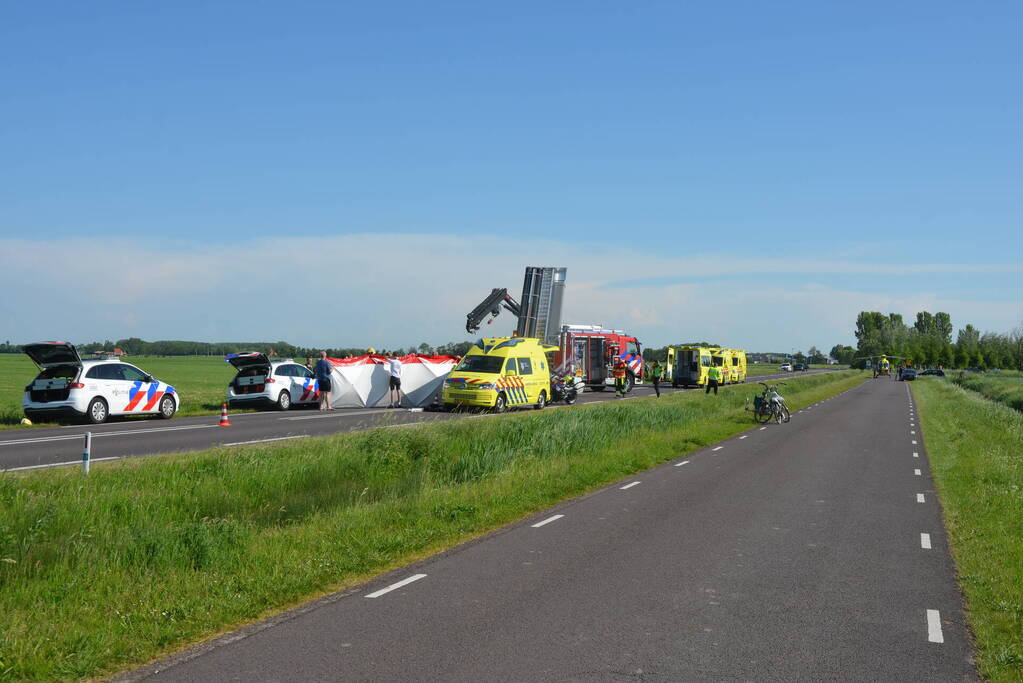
(769, 405)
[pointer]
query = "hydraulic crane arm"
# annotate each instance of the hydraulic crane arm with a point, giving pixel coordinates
(491, 306)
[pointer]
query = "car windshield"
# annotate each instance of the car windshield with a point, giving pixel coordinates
(65, 371)
(479, 363)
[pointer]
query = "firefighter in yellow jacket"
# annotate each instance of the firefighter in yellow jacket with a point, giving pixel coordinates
(618, 370)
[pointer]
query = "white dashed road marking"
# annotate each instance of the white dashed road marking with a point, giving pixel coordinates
(920, 498)
(742, 437)
(916, 472)
(718, 448)
(914, 442)
(395, 586)
(679, 464)
(547, 521)
(763, 428)
(629, 486)
(925, 541)
(934, 627)
(915, 454)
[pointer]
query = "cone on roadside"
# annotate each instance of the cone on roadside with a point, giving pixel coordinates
(223, 416)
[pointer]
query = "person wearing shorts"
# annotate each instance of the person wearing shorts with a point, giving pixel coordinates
(322, 371)
(394, 392)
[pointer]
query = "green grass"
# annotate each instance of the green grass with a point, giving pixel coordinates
(1003, 386)
(201, 380)
(146, 555)
(975, 447)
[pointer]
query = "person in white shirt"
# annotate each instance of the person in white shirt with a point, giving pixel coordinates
(394, 393)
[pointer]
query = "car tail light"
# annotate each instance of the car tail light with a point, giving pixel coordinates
(270, 380)
(76, 385)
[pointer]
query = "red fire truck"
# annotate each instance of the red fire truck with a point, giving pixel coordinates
(589, 352)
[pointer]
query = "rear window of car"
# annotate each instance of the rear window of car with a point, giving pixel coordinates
(62, 371)
(252, 371)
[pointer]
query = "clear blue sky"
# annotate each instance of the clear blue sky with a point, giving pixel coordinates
(679, 158)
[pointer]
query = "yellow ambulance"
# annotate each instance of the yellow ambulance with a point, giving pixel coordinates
(733, 365)
(688, 365)
(501, 373)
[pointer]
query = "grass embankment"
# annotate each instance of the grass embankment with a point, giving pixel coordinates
(976, 451)
(201, 380)
(146, 555)
(1004, 386)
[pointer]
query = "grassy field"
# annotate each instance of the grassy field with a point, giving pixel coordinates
(201, 380)
(145, 555)
(975, 447)
(1004, 386)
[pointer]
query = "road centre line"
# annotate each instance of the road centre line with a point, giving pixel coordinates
(925, 541)
(395, 586)
(934, 627)
(547, 521)
(679, 464)
(629, 486)
(920, 498)
(96, 435)
(916, 472)
(58, 464)
(278, 438)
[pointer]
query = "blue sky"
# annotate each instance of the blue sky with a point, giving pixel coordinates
(797, 162)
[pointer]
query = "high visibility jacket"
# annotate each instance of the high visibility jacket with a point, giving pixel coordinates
(714, 373)
(657, 372)
(619, 371)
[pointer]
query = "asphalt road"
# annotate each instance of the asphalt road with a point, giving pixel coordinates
(128, 437)
(807, 551)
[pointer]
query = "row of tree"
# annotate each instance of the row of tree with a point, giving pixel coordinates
(133, 346)
(928, 342)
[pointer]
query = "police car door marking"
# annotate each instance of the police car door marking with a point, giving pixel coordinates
(135, 395)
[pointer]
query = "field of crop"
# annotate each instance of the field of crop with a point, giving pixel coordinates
(1004, 386)
(144, 555)
(975, 447)
(201, 380)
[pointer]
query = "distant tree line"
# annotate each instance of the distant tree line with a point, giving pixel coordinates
(133, 346)
(928, 342)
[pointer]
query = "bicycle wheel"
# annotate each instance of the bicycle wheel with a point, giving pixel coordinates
(762, 415)
(781, 413)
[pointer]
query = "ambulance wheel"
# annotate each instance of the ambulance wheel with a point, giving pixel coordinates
(97, 412)
(167, 407)
(541, 401)
(283, 400)
(501, 404)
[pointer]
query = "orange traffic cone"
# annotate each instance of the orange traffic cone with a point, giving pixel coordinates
(223, 416)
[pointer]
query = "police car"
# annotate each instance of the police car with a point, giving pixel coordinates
(69, 387)
(261, 381)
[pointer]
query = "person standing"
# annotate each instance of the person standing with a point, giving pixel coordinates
(394, 392)
(713, 379)
(656, 373)
(322, 372)
(618, 370)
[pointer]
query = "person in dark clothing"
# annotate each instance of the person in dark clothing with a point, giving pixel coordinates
(322, 371)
